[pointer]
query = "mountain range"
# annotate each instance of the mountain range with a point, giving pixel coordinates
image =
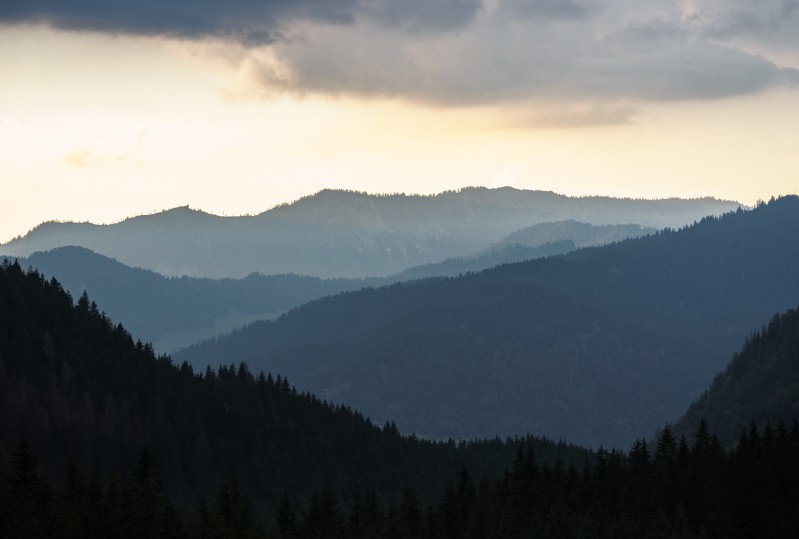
(79, 392)
(596, 346)
(174, 312)
(346, 234)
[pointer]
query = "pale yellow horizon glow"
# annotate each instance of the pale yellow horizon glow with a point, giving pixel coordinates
(99, 128)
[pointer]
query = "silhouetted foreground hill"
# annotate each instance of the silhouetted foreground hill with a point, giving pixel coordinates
(79, 389)
(598, 346)
(760, 384)
(178, 311)
(345, 234)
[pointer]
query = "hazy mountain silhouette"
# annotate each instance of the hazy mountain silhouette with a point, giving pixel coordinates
(537, 241)
(760, 384)
(506, 254)
(175, 312)
(598, 346)
(345, 234)
(581, 234)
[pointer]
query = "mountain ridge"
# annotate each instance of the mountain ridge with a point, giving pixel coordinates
(172, 312)
(345, 234)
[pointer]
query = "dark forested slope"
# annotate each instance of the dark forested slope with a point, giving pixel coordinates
(760, 384)
(345, 234)
(79, 389)
(598, 346)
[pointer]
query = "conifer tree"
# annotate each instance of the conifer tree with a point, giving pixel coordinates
(26, 507)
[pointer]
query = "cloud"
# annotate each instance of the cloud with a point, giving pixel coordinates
(240, 20)
(742, 19)
(422, 16)
(545, 9)
(682, 72)
(788, 8)
(468, 52)
(246, 21)
(741, 23)
(575, 116)
(581, 59)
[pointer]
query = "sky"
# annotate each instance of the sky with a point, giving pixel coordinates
(110, 109)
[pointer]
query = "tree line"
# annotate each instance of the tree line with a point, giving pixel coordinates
(669, 488)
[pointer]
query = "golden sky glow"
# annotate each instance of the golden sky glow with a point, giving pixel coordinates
(100, 127)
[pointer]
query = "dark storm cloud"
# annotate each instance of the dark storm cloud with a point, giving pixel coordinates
(247, 21)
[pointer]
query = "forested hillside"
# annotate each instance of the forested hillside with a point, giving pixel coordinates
(669, 488)
(79, 389)
(345, 234)
(761, 383)
(597, 346)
